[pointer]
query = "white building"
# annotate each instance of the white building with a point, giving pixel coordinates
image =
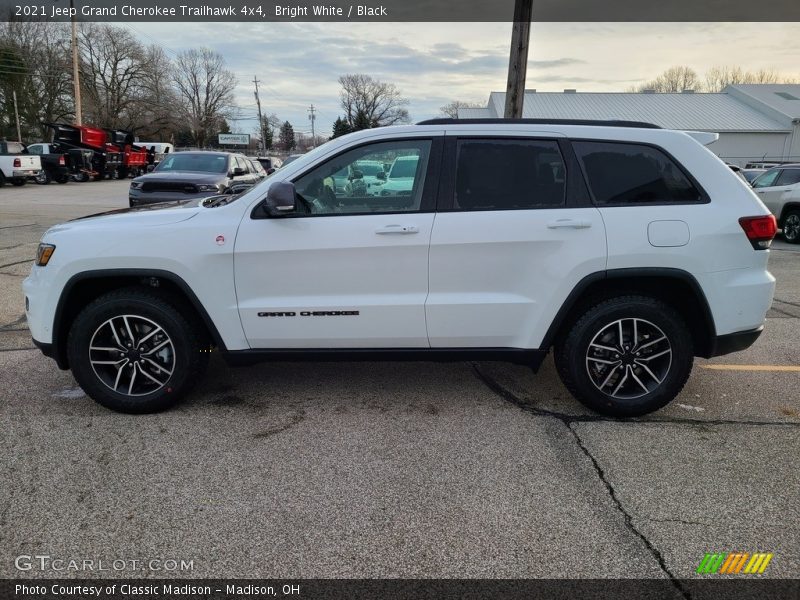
(755, 122)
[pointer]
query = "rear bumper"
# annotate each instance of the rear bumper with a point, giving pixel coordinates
(734, 342)
(25, 172)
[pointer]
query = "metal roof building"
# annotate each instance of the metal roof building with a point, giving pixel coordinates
(755, 122)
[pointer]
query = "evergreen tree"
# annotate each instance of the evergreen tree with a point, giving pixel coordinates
(286, 137)
(340, 127)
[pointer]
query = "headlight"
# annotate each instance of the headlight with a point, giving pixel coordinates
(135, 185)
(44, 253)
(208, 187)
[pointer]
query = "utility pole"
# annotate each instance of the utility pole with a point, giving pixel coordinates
(75, 71)
(16, 114)
(518, 60)
(260, 118)
(312, 117)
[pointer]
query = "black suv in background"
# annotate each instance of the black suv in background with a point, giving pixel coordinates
(190, 175)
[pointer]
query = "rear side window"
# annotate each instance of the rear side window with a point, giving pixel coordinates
(507, 174)
(622, 174)
(789, 177)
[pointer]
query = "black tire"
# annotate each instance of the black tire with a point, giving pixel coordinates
(791, 227)
(122, 173)
(2, 179)
(168, 364)
(595, 373)
(43, 178)
(62, 179)
(18, 181)
(81, 177)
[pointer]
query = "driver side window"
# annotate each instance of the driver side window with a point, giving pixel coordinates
(363, 180)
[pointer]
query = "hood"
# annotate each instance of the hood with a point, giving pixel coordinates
(149, 215)
(187, 176)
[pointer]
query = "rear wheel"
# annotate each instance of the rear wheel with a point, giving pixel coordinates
(133, 351)
(791, 227)
(626, 356)
(43, 178)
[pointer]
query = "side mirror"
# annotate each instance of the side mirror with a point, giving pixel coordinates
(382, 175)
(281, 198)
(271, 170)
(238, 171)
(150, 168)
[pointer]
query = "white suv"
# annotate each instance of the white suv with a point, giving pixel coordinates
(625, 248)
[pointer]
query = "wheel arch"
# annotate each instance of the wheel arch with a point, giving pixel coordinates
(677, 287)
(83, 288)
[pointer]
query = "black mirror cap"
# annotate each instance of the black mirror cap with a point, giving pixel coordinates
(281, 198)
(238, 171)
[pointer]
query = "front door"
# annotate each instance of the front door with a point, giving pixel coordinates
(350, 268)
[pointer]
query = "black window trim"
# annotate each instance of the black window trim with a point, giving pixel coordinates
(429, 191)
(704, 197)
(447, 185)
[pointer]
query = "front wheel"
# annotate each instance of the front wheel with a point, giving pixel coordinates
(626, 356)
(133, 351)
(791, 227)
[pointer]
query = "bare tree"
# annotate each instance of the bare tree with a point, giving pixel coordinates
(674, 79)
(451, 109)
(34, 64)
(718, 78)
(368, 101)
(205, 91)
(157, 120)
(112, 73)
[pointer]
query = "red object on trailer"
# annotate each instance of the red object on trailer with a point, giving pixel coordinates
(105, 159)
(134, 158)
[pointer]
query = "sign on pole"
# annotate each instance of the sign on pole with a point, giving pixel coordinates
(234, 139)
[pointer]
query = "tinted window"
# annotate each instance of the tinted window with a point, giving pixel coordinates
(35, 149)
(404, 167)
(341, 184)
(789, 177)
(201, 163)
(508, 174)
(633, 174)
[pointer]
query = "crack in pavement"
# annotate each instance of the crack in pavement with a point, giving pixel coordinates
(569, 420)
(16, 226)
(10, 326)
(19, 262)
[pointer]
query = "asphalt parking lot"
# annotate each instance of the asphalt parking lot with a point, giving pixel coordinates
(393, 470)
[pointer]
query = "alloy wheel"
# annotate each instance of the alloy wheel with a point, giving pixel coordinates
(132, 355)
(628, 358)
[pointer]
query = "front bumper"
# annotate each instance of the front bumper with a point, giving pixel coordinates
(137, 198)
(735, 342)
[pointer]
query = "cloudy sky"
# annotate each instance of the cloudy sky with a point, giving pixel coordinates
(434, 63)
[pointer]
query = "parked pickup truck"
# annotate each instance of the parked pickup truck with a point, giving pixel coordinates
(55, 163)
(16, 165)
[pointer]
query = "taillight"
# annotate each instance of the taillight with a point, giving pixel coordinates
(760, 230)
(61, 161)
(17, 162)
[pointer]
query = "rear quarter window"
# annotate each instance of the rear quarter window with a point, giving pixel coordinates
(622, 174)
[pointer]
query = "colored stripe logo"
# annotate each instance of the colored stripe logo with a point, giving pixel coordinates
(734, 563)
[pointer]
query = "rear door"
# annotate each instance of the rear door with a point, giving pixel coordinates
(514, 233)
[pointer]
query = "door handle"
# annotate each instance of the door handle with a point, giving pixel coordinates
(401, 229)
(568, 224)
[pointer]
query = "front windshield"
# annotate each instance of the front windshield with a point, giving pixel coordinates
(199, 163)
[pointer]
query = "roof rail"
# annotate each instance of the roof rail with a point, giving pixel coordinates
(598, 123)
